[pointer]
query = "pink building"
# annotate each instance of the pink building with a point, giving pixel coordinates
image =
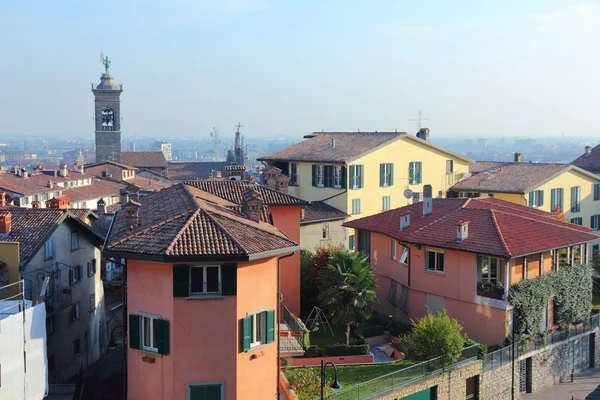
(462, 255)
(203, 295)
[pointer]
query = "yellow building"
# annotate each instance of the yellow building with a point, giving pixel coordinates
(364, 173)
(563, 188)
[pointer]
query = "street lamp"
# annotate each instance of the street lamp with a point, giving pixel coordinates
(335, 384)
(526, 332)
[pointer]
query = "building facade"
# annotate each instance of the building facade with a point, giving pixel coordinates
(107, 116)
(165, 147)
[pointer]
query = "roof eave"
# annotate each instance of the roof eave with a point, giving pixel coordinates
(314, 221)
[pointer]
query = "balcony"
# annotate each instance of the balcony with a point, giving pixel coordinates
(491, 294)
(291, 334)
(58, 297)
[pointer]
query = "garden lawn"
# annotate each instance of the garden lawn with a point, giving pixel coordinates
(596, 300)
(352, 375)
(323, 338)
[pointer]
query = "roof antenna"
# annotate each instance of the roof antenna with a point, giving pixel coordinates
(419, 119)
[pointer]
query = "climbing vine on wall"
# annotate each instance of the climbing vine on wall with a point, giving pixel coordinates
(571, 288)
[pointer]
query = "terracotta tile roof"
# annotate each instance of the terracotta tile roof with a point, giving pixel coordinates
(37, 183)
(509, 177)
(232, 191)
(192, 170)
(115, 164)
(148, 184)
(98, 188)
(82, 213)
(589, 162)
(319, 211)
(175, 223)
(496, 227)
(144, 159)
(348, 146)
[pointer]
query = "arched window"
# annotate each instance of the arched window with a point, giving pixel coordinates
(108, 119)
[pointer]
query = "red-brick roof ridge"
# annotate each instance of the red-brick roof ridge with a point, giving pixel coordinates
(183, 229)
(499, 231)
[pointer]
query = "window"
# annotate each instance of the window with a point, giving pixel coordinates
(205, 280)
(557, 199)
(258, 329)
(92, 303)
(415, 172)
(325, 230)
(337, 176)
(393, 249)
(386, 174)
(524, 264)
(576, 199)
(319, 175)
(293, 174)
(77, 346)
(351, 242)
(50, 325)
(91, 268)
(449, 166)
(356, 206)
(149, 333)
(596, 191)
(205, 391)
(595, 223)
(536, 198)
(364, 242)
(48, 249)
(75, 274)
(489, 268)
(74, 241)
(75, 312)
(577, 221)
(356, 176)
(404, 256)
(391, 296)
(595, 251)
(434, 260)
(386, 203)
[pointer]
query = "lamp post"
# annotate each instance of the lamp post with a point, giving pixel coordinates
(335, 384)
(526, 332)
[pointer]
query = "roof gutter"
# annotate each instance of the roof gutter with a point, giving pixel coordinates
(279, 302)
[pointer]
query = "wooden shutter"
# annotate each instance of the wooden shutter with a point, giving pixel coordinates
(381, 175)
(352, 176)
(391, 174)
(246, 333)
(562, 199)
(531, 199)
(206, 392)
(351, 242)
(229, 280)
(419, 172)
(163, 337)
(553, 199)
(344, 177)
(134, 331)
(411, 173)
(361, 168)
(71, 276)
(327, 172)
(270, 326)
(314, 175)
(541, 199)
(181, 281)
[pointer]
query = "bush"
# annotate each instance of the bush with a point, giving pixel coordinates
(358, 340)
(483, 350)
(336, 350)
(313, 351)
(306, 383)
(371, 331)
(436, 335)
(395, 327)
(403, 345)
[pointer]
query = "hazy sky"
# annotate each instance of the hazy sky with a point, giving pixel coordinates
(291, 67)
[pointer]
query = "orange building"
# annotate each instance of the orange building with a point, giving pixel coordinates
(202, 295)
(462, 255)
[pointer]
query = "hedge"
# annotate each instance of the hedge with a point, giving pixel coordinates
(371, 331)
(313, 351)
(336, 350)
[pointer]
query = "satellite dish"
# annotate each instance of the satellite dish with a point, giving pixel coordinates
(102, 57)
(408, 194)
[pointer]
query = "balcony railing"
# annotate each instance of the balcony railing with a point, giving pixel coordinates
(490, 290)
(291, 332)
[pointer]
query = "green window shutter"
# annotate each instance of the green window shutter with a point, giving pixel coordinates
(562, 199)
(420, 172)
(328, 171)
(411, 173)
(181, 281)
(553, 198)
(352, 176)
(391, 174)
(351, 242)
(163, 337)
(531, 199)
(361, 168)
(314, 175)
(541, 192)
(246, 333)
(229, 280)
(344, 177)
(270, 326)
(206, 392)
(381, 175)
(134, 331)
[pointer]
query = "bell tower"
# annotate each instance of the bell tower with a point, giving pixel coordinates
(107, 101)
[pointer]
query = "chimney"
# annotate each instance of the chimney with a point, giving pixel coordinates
(423, 134)
(462, 231)
(24, 173)
(417, 197)
(427, 200)
(252, 204)
(518, 157)
(123, 196)
(50, 184)
(588, 150)
(217, 174)
(131, 214)
(101, 209)
(2, 199)
(302, 214)
(80, 168)
(35, 204)
(332, 143)
(62, 170)
(404, 221)
(59, 202)
(5, 223)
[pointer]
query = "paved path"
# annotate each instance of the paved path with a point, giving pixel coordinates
(585, 387)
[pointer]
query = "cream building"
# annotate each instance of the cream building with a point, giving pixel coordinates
(364, 173)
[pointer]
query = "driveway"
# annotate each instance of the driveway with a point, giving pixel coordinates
(586, 386)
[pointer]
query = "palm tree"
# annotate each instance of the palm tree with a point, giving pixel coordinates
(347, 289)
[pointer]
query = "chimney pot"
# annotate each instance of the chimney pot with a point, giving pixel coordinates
(50, 184)
(131, 214)
(518, 157)
(5, 223)
(333, 143)
(424, 134)
(462, 231)
(252, 204)
(35, 204)
(101, 208)
(588, 150)
(427, 200)
(2, 199)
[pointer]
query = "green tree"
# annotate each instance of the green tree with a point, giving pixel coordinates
(306, 383)
(436, 335)
(347, 289)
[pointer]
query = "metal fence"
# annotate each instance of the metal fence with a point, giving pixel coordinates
(502, 356)
(294, 340)
(373, 387)
(66, 373)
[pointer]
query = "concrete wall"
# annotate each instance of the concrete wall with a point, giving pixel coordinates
(311, 235)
